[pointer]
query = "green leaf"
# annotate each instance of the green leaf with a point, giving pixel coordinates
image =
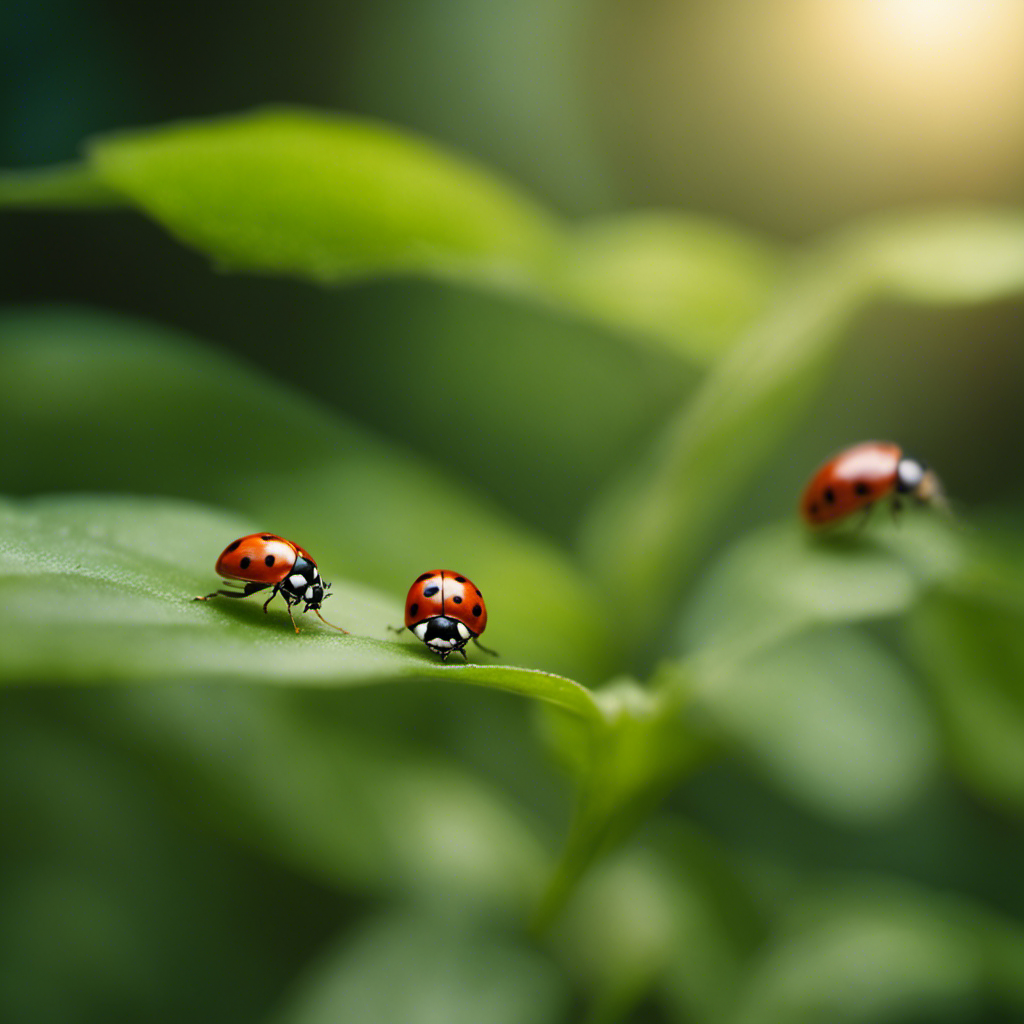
(102, 588)
(828, 716)
(285, 771)
(688, 284)
(866, 951)
(643, 747)
(326, 197)
(969, 640)
(426, 969)
(649, 529)
(783, 579)
(75, 185)
(102, 403)
(946, 256)
(332, 199)
(668, 911)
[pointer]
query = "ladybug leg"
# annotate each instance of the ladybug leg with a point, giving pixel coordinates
(863, 521)
(288, 606)
(396, 629)
(486, 650)
(249, 588)
(897, 508)
(269, 599)
(462, 651)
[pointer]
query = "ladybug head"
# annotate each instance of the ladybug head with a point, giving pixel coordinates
(316, 594)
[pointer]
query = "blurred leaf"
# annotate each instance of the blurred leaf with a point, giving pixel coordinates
(417, 969)
(101, 403)
(868, 952)
(969, 639)
(648, 530)
(828, 716)
(73, 185)
(783, 579)
(325, 197)
(102, 588)
(642, 747)
(665, 910)
(113, 906)
(286, 773)
(946, 256)
(332, 199)
(691, 285)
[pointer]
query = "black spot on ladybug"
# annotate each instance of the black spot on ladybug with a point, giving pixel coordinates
(425, 576)
(457, 600)
(269, 560)
(245, 562)
(862, 487)
(813, 508)
(430, 591)
(267, 536)
(233, 546)
(478, 594)
(829, 495)
(477, 609)
(413, 609)
(460, 579)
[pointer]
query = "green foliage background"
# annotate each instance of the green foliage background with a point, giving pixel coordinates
(747, 775)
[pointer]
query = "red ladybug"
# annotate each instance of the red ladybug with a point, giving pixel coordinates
(859, 476)
(446, 611)
(265, 560)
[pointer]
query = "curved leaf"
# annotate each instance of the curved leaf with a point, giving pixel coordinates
(100, 403)
(101, 589)
(689, 284)
(647, 531)
(421, 968)
(326, 197)
(946, 256)
(969, 640)
(828, 716)
(783, 579)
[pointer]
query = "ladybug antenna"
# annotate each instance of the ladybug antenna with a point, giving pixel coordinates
(486, 650)
(331, 624)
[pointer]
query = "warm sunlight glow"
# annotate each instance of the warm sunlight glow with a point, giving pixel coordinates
(933, 22)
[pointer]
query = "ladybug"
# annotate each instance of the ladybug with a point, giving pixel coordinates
(265, 560)
(446, 611)
(859, 476)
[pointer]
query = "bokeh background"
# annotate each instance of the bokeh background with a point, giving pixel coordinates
(789, 120)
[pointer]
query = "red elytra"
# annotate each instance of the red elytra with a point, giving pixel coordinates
(447, 593)
(259, 557)
(861, 475)
(446, 610)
